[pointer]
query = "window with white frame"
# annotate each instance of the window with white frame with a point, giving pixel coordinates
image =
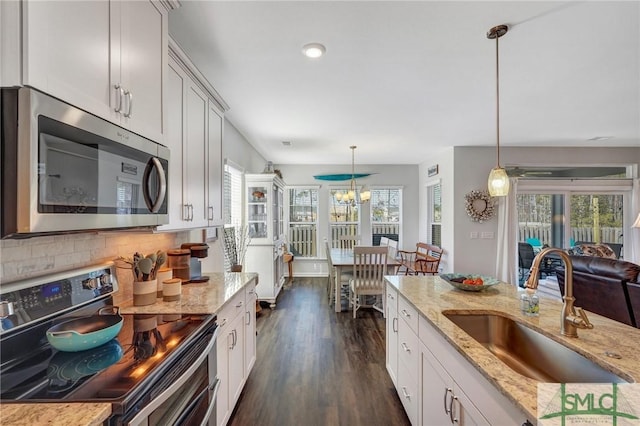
(233, 195)
(344, 217)
(303, 221)
(434, 213)
(386, 213)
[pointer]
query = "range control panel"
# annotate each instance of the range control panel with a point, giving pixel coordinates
(30, 300)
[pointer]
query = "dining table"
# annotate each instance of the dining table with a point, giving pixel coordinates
(342, 260)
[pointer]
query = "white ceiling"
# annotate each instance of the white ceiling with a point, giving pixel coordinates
(402, 79)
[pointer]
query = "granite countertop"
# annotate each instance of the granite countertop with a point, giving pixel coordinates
(197, 298)
(431, 296)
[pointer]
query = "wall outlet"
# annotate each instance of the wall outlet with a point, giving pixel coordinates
(487, 235)
(473, 235)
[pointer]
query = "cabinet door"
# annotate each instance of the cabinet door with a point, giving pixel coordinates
(236, 360)
(143, 47)
(214, 181)
(437, 391)
(225, 338)
(392, 336)
(250, 329)
(66, 52)
(195, 165)
(175, 132)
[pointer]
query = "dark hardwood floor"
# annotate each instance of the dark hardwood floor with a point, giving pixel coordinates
(318, 367)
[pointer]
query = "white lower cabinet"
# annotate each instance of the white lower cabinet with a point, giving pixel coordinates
(443, 402)
(436, 384)
(392, 334)
(236, 350)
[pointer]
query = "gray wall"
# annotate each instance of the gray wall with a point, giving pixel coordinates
(462, 169)
(405, 176)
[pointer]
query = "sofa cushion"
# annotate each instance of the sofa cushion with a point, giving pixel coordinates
(605, 267)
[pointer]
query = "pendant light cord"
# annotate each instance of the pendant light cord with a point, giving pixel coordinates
(497, 102)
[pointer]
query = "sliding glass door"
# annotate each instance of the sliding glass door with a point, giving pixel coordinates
(593, 217)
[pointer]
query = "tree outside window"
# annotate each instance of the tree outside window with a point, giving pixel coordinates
(344, 218)
(303, 222)
(386, 216)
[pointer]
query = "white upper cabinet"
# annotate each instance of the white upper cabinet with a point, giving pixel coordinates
(215, 176)
(106, 57)
(194, 129)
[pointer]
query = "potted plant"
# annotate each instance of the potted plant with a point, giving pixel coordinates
(236, 242)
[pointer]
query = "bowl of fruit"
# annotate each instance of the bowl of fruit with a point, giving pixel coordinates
(469, 282)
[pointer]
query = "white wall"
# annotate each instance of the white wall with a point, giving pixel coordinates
(405, 176)
(238, 150)
(462, 169)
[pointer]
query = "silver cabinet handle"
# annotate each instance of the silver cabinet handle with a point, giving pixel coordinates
(185, 212)
(235, 337)
(248, 318)
(129, 95)
(405, 393)
(210, 211)
(444, 399)
(119, 95)
(405, 313)
(451, 413)
(191, 210)
(394, 325)
(405, 347)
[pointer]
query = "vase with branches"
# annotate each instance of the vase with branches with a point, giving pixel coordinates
(236, 242)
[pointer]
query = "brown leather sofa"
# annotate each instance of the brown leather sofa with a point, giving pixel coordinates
(607, 287)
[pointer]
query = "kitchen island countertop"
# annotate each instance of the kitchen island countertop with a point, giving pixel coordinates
(198, 298)
(432, 295)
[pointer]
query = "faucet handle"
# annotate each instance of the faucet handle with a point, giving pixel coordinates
(584, 323)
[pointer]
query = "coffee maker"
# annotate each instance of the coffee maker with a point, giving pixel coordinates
(198, 251)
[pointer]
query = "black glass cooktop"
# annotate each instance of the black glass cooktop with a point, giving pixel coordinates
(105, 373)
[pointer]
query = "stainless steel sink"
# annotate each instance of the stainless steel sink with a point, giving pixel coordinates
(529, 352)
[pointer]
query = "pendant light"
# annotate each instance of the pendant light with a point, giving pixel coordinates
(353, 196)
(498, 180)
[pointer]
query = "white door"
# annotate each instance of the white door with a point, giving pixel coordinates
(214, 154)
(195, 184)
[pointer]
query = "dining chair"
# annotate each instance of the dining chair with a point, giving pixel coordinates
(345, 277)
(348, 241)
(393, 248)
(369, 269)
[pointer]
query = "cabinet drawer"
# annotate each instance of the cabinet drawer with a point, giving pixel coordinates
(231, 309)
(391, 303)
(250, 293)
(408, 346)
(408, 313)
(408, 392)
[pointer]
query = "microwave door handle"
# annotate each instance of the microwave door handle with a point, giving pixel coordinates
(154, 163)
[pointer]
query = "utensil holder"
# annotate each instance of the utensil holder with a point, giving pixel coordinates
(144, 292)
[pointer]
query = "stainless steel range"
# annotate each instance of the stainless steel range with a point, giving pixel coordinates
(159, 369)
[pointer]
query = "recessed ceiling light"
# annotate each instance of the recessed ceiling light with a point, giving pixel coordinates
(313, 50)
(286, 143)
(600, 138)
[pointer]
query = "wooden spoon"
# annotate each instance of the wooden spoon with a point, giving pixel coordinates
(145, 266)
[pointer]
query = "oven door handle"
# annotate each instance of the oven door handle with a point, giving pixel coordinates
(211, 393)
(154, 204)
(166, 394)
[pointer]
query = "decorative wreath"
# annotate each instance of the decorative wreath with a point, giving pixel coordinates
(479, 205)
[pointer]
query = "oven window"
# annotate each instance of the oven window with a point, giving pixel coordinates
(173, 408)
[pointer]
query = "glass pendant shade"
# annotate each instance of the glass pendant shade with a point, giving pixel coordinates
(498, 182)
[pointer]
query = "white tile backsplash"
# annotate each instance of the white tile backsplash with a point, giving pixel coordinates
(36, 256)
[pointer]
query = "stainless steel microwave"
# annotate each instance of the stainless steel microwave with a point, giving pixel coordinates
(65, 170)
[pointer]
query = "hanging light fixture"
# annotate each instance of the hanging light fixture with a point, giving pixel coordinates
(353, 196)
(498, 179)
